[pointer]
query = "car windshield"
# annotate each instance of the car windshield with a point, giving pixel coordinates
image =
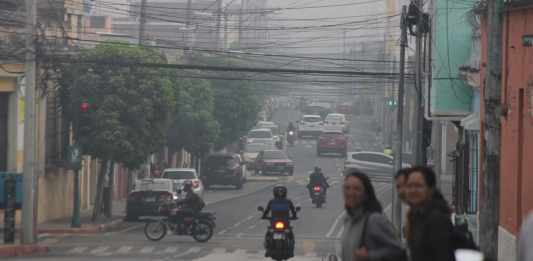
(220, 161)
(312, 119)
(179, 174)
(274, 154)
(334, 118)
(260, 134)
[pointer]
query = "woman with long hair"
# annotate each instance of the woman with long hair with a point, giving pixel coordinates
(368, 235)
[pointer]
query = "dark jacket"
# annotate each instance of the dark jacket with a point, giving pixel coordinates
(191, 202)
(430, 232)
(317, 178)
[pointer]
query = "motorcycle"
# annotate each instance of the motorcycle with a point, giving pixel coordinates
(200, 226)
(318, 196)
(279, 240)
(291, 136)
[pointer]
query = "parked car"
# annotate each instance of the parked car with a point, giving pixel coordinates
(332, 142)
(223, 169)
(251, 151)
(310, 126)
(371, 162)
(147, 196)
(180, 175)
(263, 135)
(336, 121)
(274, 162)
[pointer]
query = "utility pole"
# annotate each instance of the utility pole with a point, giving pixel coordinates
(490, 192)
(219, 24)
(142, 21)
(29, 213)
(398, 148)
(420, 131)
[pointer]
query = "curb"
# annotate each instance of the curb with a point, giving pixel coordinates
(85, 229)
(22, 250)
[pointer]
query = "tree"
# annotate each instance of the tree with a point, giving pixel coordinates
(193, 126)
(118, 112)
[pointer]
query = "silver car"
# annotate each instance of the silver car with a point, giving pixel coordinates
(180, 175)
(371, 163)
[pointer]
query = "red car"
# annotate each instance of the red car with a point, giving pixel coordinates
(332, 142)
(274, 162)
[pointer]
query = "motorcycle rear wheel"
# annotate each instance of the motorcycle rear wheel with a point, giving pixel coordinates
(155, 230)
(202, 231)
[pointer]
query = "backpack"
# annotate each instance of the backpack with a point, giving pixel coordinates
(462, 238)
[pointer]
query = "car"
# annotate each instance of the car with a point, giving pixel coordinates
(336, 121)
(274, 162)
(371, 162)
(180, 175)
(310, 126)
(276, 134)
(147, 196)
(223, 169)
(251, 151)
(332, 141)
(263, 136)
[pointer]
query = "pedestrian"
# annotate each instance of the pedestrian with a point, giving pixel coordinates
(430, 227)
(400, 179)
(368, 235)
(525, 243)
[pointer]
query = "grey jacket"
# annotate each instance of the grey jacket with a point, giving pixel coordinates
(525, 247)
(381, 240)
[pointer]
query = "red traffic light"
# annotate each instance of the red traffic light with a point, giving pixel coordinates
(84, 107)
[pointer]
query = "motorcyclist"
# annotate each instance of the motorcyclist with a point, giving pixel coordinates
(290, 128)
(190, 205)
(317, 178)
(280, 207)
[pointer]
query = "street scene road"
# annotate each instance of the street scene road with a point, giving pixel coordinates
(240, 232)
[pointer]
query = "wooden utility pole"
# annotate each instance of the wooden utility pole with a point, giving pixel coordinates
(29, 210)
(490, 186)
(420, 131)
(142, 21)
(398, 148)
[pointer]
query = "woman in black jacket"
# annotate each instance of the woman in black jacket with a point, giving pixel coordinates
(430, 226)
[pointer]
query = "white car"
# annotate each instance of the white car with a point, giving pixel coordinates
(273, 127)
(180, 175)
(262, 136)
(310, 126)
(372, 163)
(336, 122)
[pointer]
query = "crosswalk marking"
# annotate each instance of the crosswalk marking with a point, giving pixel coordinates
(99, 250)
(147, 250)
(124, 249)
(78, 250)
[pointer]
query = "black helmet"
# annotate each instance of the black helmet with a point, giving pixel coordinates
(280, 192)
(187, 186)
(318, 169)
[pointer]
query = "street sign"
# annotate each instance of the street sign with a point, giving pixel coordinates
(74, 156)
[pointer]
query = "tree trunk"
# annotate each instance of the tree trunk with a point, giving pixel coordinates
(108, 199)
(99, 191)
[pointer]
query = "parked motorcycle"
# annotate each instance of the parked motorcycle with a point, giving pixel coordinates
(200, 226)
(279, 240)
(318, 196)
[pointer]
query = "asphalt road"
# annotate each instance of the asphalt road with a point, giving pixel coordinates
(239, 233)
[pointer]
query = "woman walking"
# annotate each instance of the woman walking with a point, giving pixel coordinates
(368, 235)
(430, 226)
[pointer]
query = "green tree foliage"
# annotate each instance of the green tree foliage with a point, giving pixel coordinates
(126, 118)
(193, 126)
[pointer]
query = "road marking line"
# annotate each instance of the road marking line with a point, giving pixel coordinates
(332, 229)
(99, 250)
(124, 249)
(220, 250)
(189, 251)
(252, 227)
(223, 231)
(78, 250)
(171, 250)
(147, 250)
(341, 231)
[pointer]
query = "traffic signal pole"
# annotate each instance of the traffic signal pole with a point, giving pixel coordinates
(398, 148)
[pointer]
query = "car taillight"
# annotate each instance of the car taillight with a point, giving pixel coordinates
(279, 225)
(316, 188)
(195, 183)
